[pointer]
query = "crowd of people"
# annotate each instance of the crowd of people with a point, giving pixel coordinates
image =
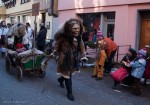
(131, 68)
(25, 36)
(69, 48)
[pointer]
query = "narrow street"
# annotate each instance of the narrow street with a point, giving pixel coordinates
(87, 91)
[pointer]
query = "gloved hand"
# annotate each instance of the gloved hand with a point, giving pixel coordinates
(53, 54)
(43, 65)
(84, 59)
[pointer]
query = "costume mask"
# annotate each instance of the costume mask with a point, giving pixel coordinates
(75, 30)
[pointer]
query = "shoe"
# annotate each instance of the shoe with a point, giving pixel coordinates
(70, 96)
(61, 83)
(137, 92)
(93, 76)
(98, 78)
(106, 73)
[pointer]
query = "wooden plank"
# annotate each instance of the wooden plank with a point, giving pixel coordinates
(35, 9)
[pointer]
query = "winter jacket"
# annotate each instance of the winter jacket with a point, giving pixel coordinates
(68, 55)
(138, 68)
(110, 46)
(41, 37)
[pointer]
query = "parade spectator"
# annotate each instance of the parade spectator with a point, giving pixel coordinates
(138, 68)
(68, 43)
(30, 34)
(41, 37)
(8, 25)
(100, 57)
(129, 57)
(94, 38)
(3, 32)
(111, 49)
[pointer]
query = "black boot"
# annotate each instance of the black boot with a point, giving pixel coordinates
(61, 80)
(70, 96)
(68, 83)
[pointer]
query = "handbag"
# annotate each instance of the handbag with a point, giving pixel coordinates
(119, 74)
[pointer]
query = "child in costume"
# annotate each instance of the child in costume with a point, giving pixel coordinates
(100, 57)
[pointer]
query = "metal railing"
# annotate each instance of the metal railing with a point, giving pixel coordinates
(117, 53)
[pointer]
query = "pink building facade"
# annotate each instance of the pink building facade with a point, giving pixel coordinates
(127, 22)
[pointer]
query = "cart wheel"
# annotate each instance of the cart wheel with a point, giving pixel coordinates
(19, 73)
(41, 73)
(8, 65)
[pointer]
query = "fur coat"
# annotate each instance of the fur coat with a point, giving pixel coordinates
(68, 54)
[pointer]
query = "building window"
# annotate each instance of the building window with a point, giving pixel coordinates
(12, 20)
(110, 17)
(26, 18)
(19, 19)
(24, 1)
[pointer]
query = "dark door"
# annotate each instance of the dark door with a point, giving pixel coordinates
(43, 17)
(145, 29)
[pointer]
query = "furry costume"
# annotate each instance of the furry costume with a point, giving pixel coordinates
(68, 43)
(68, 47)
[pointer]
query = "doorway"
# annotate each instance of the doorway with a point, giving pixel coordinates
(43, 18)
(145, 29)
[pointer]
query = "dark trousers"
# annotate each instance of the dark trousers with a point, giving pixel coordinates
(41, 48)
(68, 83)
(137, 86)
(108, 63)
(2, 41)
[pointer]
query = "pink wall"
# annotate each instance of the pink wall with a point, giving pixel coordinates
(125, 19)
(71, 4)
(132, 22)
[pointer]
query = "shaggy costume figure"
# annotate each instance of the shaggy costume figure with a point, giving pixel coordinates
(68, 43)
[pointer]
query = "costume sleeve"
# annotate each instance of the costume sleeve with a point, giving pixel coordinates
(57, 46)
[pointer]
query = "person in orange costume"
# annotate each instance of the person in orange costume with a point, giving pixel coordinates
(111, 49)
(100, 57)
